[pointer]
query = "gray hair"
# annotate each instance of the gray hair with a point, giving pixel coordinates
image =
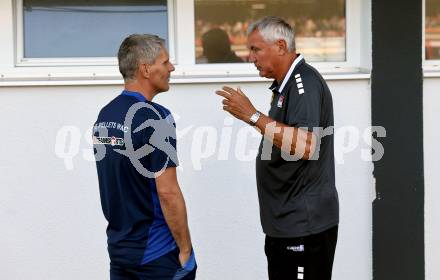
(274, 28)
(137, 49)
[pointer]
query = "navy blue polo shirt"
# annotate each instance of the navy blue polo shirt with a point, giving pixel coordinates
(133, 139)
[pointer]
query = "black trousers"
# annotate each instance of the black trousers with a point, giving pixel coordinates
(309, 257)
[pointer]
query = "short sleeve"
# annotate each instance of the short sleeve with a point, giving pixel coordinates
(163, 139)
(159, 136)
(304, 102)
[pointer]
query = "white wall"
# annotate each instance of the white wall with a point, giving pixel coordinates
(431, 136)
(52, 224)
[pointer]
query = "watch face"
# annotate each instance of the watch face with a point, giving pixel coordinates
(255, 117)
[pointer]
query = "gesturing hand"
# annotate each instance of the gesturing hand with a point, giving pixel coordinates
(236, 103)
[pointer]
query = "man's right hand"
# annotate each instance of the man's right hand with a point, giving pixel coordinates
(174, 211)
(184, 257)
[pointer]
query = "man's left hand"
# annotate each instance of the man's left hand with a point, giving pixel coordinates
(236, 103)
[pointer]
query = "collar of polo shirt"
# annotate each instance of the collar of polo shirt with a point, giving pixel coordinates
(289, 73)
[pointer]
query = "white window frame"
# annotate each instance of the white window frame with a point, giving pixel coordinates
(181, 30)
(431, 67)
(77, 61)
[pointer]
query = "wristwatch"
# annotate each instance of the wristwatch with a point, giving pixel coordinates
(254, 118)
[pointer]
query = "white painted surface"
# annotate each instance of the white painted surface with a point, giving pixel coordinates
(431, 135)
(52, 223)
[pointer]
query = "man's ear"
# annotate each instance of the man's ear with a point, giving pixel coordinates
(282, 46)
(144, 70)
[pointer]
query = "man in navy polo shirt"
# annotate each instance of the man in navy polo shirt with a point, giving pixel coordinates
(136, 159)
(295, 166)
